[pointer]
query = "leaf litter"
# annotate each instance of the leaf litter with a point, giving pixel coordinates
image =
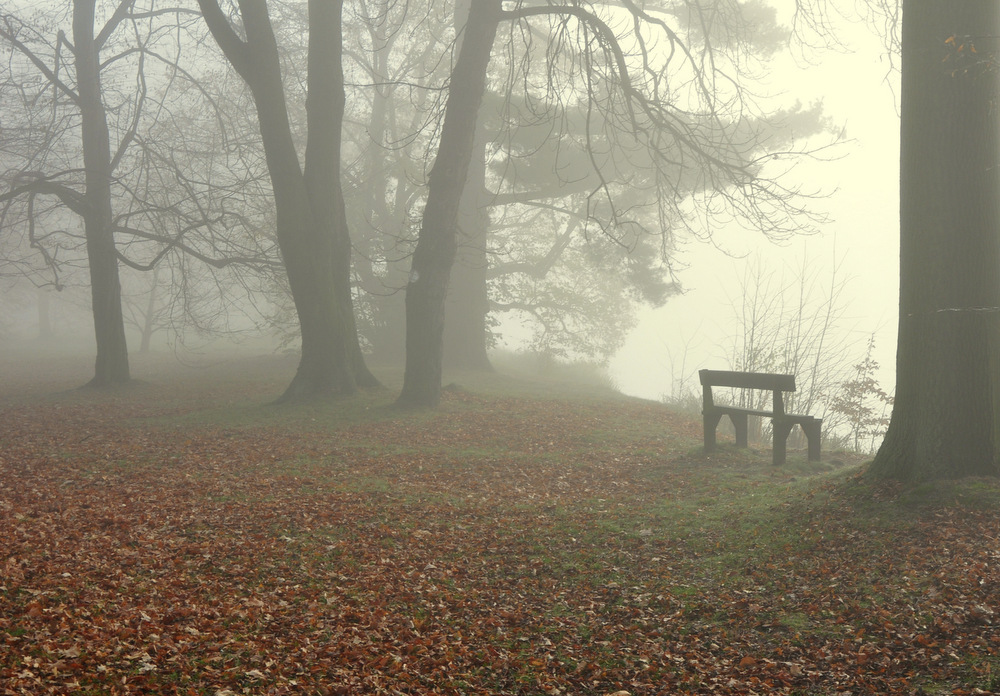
(504, 545)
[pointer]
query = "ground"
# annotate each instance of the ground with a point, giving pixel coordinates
(181, 535)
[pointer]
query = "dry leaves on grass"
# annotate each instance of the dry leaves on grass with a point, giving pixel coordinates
(495, 548)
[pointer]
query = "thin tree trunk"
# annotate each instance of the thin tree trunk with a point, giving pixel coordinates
(437, 242)
(945, 419)
(149, 319)
(111, 366)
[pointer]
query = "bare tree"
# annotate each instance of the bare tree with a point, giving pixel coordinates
(311, 222)
(92, 201)
(393, 63)
(793, 323)
(437, 244)
(84, 103)
(636, 108)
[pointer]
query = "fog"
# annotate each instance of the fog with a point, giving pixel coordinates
(190, 309)
(859, 243)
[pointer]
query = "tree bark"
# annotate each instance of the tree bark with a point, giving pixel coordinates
(311, 223)
(325, 118)
(947, 402)
(437, 243)
(111, 367)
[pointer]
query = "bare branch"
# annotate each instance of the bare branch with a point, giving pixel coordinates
(176, 242)
(7, 32)
(236, 50)
(41, 184)
(119, 15)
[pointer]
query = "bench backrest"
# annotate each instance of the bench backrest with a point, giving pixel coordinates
(747, 380)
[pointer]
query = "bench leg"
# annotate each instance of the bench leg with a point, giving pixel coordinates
(780, 431)
(710, 422)
(740, 424)
(814, 434)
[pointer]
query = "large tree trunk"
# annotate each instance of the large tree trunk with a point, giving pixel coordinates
(311, 223)
(111, 367)
(306, 243)
(325, 119)
(437, 242)
(945, 420)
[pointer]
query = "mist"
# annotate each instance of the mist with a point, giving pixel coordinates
(584, 236)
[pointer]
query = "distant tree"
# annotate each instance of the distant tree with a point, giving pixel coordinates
(543, 246)
(573, 295)
(528, 162)
(93, 128)
(946, 417)
(467, 303)
(393, 66)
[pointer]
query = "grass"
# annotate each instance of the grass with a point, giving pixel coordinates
(531, 536)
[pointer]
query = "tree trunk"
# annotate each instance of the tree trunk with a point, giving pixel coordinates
(945, 420)
(112, 366)
(465, 332)
(467, 304)
(306, 241)
(149, 318)
(437, 242)
(311, 223)
(325, 119)
(386, 222)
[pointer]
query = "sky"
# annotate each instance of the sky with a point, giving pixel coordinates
(691, 331)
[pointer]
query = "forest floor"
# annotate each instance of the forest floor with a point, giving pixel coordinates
(183, 536)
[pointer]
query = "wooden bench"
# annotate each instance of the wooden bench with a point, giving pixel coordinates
(781, 422)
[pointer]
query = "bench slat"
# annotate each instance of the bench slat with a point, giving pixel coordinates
(763, 414)
(737, 409)
(746, 380)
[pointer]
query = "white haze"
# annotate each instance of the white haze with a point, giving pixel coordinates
(694, 330)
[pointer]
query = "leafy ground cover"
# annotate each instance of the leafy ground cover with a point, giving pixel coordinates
(181, 536)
